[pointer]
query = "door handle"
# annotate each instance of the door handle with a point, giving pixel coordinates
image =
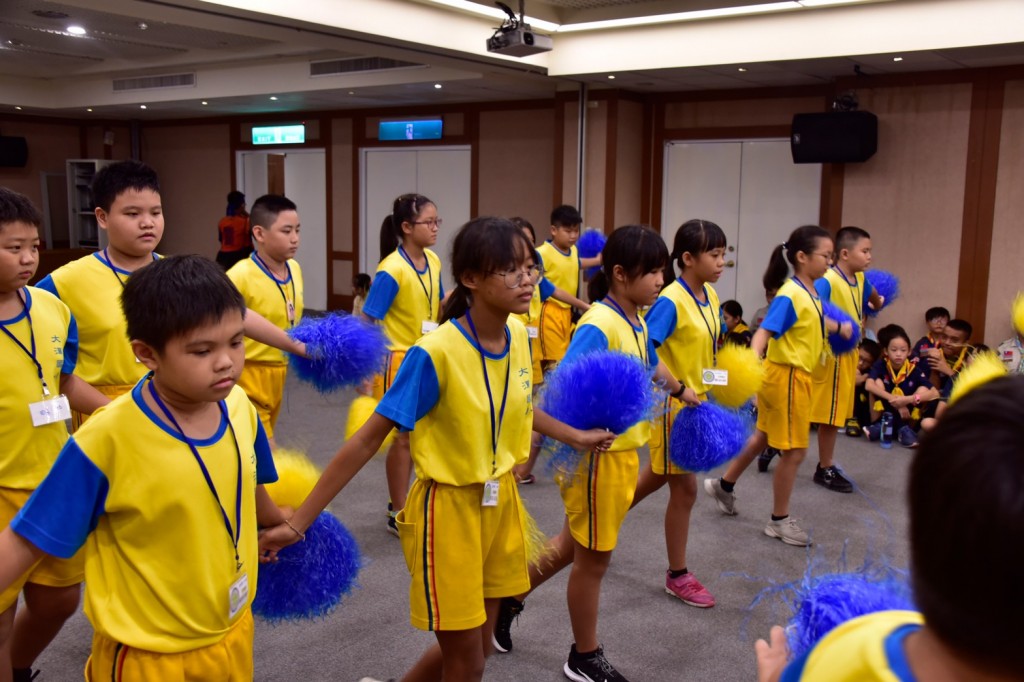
(730, 263)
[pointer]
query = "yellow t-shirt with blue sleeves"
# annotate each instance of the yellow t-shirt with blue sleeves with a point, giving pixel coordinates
(685, 332)
(159, 561)
(605, 328)
(91, 287)
(849, 295)
(403, 298)
(45, 323)
(563, 269)
(865, 649)
(270, 297)
(541, 293)
(441, 396)
(797, 323)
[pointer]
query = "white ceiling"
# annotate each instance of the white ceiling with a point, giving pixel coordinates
(241, 59)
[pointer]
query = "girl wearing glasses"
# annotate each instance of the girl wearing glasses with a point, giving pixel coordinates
(466, 390)
(794, 332)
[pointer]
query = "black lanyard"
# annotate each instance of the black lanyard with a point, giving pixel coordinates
(818, 309)
(853, 287)
(495, 428)
(30, 353)
(284, 296)
(700, 309)
(428, 294)
(233, 536)
(612, 303)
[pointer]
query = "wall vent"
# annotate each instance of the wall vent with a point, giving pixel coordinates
(172, 80)
(334, 67)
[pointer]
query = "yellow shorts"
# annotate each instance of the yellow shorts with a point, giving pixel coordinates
(832, 390)
(50, 570)
(229, 660)
(555, 331)
(460, 553)
(112, 391)
(382, 382)
(661, 435)
(598, 496)
(263, 382)
(784, 406)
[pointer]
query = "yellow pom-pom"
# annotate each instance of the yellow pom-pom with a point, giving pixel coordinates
(358, 414)
(1018, 313)
(746, 374)
(296, 476)
(981, 369)
(536, 541)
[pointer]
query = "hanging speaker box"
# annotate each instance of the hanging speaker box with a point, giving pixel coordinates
(13, 152)
(834, 137)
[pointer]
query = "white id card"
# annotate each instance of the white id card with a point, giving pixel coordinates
(490, 494)
(238, 595)
(532, 332)
(715, 377)
(50, 410)
(291, 311)
(428, 327)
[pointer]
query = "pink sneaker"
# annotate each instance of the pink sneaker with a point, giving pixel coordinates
(689, 590)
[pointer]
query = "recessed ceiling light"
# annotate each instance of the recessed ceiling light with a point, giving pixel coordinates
(437, 86)
(142, 26)
(611, 76)
(351, 92)
(273, 98)
(17, 107)
(205, 102)
(897, 59)
(142, 106)
(76, 30)
(742, 69)
(89, 109)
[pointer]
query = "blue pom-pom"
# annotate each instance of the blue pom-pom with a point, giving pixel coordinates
(343, 351)
(840, 345)
(886, 284)
(309, 578)
(590, 244)
(707, 436)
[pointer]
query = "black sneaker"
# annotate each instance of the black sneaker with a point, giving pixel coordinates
(592, 667)
(765, 459)
(832, 478)
(508, 610)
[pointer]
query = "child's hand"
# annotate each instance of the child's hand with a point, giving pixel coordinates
(905, 413)
(846, 330)
(771, 658)
(689, 397)
(596, 440)
(273, 540)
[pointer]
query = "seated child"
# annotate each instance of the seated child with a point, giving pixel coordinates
(360, 287)
(869, 353)
(959, 634)
(732, 315)
(769, 296)
(900, 385)
(951, 355)
(936, 318)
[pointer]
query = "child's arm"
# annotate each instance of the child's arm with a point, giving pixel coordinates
(268, 514)
(259, 328)
(565, 297)
(590, 262)
(876, 300)
(663, 377)
(81, 396)
(346, 463)
(771, 657)
(594, 439)
(845, 329)
(759, 342)
(876, 388)
(16, 556)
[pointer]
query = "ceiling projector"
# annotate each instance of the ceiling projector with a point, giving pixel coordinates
(519, 41)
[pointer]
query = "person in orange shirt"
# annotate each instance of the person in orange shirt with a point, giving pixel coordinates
(233, 232)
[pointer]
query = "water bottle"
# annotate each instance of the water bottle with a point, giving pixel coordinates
(886, 435)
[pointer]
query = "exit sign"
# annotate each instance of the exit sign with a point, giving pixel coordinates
(279, 134)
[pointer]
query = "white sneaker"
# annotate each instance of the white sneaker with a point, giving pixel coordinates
(787, 531)
(726, 501)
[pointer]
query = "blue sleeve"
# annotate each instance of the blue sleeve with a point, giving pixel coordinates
(48, 284)
(414, 392)
(66, 506)
(824, 288)
(661, 320)
(381, 296)
(652, 351)
(781, 316)
(546, 288)
(878, 370)
(587, 339)
(266, 472)
(440, 287)
(70, 348)
(921, 377)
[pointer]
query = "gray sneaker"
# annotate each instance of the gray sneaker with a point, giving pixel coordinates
(787, 531)
(726, 501)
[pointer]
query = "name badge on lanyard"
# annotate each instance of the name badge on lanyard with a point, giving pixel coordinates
(238, 595)
(490, 494)
(50, 410)
(533, 332)
(715, 377)
(427, 327)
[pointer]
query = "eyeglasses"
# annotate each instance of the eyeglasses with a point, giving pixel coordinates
(433, 221)
(826, 256)
(514, 278)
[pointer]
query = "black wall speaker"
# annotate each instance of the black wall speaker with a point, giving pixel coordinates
(13, 152)
(834, 137)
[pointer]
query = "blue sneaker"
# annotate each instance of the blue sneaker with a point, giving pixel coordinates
(906, 437)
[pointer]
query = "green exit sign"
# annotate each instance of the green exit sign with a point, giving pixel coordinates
(279, 134)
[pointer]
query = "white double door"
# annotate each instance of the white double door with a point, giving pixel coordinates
(753, 191)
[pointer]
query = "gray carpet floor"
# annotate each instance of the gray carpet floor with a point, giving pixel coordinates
(647, 635)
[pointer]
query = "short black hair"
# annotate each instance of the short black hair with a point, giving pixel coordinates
(847, 237)
(733, 308)
(17, 208)
(265, 210)
(113, 180)
(523, 222)
(872, 348)
(886, 332)
(894, 331)
(638, 249)
(961, 326)
(936, 312)
(175, 295)
(566, 216)
(967, 515)
(362, 281)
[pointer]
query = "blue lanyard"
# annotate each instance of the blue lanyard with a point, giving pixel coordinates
(289, 312)
(110, 264)
(700, 309)
(428, 294)
(30, 353)
(612, 303)
(495, 429)
(853, 286)
(818, 309)
(233, 536)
